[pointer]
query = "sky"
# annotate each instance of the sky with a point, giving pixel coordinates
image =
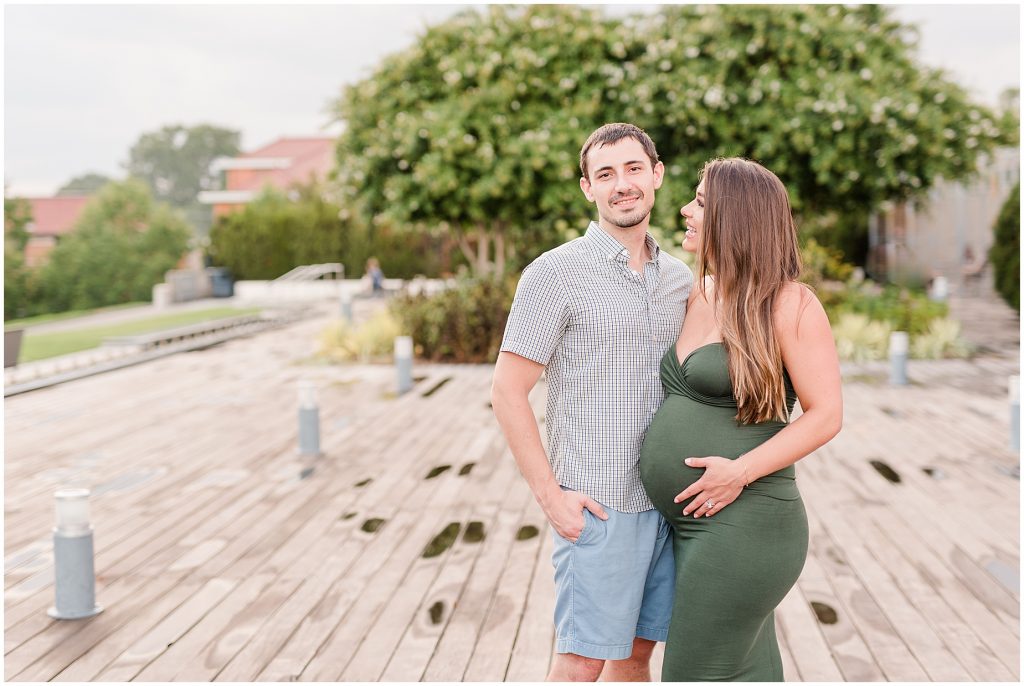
(83, 82)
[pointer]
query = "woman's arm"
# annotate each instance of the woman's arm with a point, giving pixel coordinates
(809, 355)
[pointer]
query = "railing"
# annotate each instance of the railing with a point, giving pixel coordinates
(147, 341)
(312, 272)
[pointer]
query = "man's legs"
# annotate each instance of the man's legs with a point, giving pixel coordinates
(637, 667)
(569, 667)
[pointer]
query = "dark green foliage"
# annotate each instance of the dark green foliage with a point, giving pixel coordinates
(1005, 251)
(464, 323)
(122, 245)
(19, 281)
(175, 164)
(84, 184)
(822, 264)
(277, 232)
(273, 234)
(475, 130)
(904, 309)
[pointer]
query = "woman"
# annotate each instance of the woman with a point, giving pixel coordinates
(754, 340)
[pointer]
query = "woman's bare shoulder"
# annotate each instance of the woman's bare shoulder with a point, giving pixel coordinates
(795, 301)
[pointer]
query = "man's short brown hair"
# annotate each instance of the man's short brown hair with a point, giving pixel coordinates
(610, 134)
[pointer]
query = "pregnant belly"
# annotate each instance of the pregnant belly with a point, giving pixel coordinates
(686, 428)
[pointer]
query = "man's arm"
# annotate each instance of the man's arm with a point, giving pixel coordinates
(514, 378)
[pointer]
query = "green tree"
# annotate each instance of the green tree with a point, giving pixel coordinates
(19, 284)
(17, 216)
(830, 97)
(175, 164)
(273, 233)
(476, 128)
(1005, 251)
(84, 184)
(122, 245)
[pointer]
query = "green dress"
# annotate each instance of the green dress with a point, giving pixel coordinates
(735, 567)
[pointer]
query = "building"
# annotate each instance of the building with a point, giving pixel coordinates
(281, 164)
(52, 218)
(949, 232)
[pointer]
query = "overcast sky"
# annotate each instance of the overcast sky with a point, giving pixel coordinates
(82, 82)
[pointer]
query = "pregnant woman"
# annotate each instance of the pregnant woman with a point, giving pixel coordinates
(753, 342)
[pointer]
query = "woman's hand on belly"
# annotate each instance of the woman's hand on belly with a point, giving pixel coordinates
(721, 484)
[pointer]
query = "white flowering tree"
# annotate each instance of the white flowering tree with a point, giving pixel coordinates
(829, 97)
(475, 130)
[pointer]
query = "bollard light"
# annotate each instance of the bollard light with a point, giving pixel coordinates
(899, 348)
(346, 306)
(403, 363)
(309, 419)
(1014, 387)
(74, 575)
(940, 289)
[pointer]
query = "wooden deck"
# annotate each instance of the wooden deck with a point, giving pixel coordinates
(414, 551)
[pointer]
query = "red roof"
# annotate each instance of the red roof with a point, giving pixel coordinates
(309, 157)
(56, 216)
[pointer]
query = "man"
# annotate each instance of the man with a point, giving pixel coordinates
(598, 314)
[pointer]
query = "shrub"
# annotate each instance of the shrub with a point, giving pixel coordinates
(822, 263)
(860, 339)
(941, 340)
(464, 323)
(122, 245)
(1005, 251)
(373, 341)
(901, 308)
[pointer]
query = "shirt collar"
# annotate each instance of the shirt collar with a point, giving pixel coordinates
(612, 249)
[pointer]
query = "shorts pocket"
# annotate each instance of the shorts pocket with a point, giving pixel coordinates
(587, 526)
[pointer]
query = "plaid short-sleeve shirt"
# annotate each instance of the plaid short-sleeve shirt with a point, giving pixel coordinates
(601, 330)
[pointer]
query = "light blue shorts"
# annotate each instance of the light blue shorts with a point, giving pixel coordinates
(615, 583)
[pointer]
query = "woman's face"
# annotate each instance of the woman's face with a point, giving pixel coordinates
(693, 214)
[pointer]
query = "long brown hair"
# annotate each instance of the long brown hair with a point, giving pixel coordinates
(749, 244)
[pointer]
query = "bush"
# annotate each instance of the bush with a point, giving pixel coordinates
(464, 323)
(901, 308)
(1005, 251)
(122, 245)
(941, 340)
(373, 341)
(273, 234)
(859, 339)
(822, 263)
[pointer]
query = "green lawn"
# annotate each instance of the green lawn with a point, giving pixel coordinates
(41, 346)
(60, 316)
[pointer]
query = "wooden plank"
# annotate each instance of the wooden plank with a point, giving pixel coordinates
(911, 627)
(856, 605)
(955, 634)
(420, 640)
(847, 646)
(167, 665)
(497, 637)
(811, 653)
(455, 646)
(176, 624)
(535, 641)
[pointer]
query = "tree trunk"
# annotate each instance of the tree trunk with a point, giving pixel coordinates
(499, 252)
(483, 248)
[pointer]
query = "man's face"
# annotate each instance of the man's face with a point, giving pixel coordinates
(621, 182)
